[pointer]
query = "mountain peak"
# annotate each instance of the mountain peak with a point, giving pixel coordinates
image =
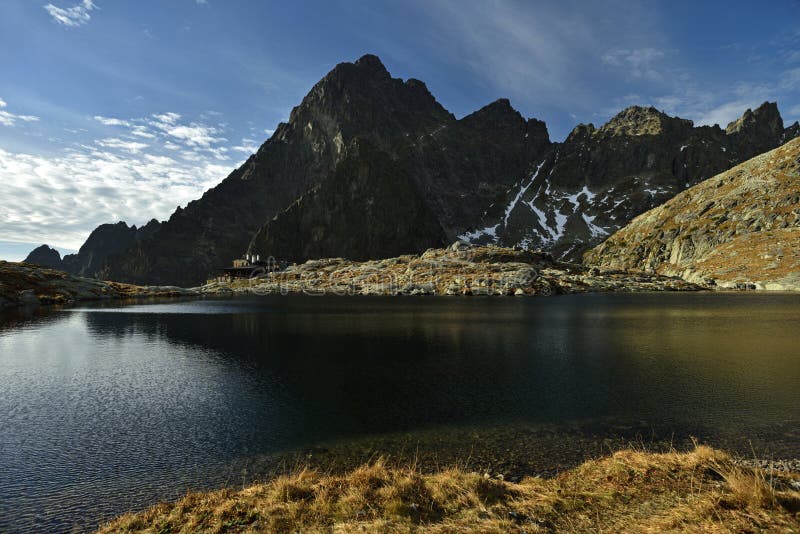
(44, 256)
(640, 120)
(368, 67)
(370, 61)
(500, 109)
(757, 130)
(765, 116)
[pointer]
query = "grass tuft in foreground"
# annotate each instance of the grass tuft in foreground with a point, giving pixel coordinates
(630, 491)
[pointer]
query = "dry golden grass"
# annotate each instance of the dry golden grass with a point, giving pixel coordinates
(630, 491)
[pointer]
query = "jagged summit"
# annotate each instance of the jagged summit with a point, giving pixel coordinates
(370, 61)
(362, 98)
(757, 130)
(639, 120)
(764, 116)
(498, 111)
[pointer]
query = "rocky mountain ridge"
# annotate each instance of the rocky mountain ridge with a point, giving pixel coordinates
(739, 229)
(373, 166)
(90, 260)
(599, 179)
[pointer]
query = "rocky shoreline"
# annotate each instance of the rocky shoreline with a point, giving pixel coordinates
(460, 269)
(24, 284)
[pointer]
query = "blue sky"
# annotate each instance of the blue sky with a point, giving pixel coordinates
(122, 110)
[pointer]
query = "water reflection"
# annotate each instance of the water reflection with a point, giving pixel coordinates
(110, 408)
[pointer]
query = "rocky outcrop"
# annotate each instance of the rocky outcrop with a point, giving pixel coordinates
(599, 179)
(739, 229)
(45, 256)
(25, 284)
(461, 269)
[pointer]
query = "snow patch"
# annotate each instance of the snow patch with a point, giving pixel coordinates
(490, 231)
(585, 191)
(522, 190)
(593, 228)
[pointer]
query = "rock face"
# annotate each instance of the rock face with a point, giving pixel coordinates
(379, 203)
(369, 166)
(599, 179)
(368, 191)
(44, 256)
(738, 229)
(105, 241)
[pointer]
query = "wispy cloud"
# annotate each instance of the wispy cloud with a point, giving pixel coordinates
(175, 133)
(195, 134)
(67, 196)
(540, 52)
(110, 121)
(247, 146)
(131, 147)
(637, 63)
(76, 15)
(137, 168)
(10, 119)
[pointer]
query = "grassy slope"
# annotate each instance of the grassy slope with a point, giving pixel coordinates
(630, 491)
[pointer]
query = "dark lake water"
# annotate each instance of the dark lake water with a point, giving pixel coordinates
(108, 409)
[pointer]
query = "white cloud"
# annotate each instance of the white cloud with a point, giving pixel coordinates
(62, 199)
(638, 63)
(10, 119)
(131, 147)
(194, 134)
(141, 131)
(76, 15)
(144, 170)
(247, 146)
(110, 121)
(167, 118)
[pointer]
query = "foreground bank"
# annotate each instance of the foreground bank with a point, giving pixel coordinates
(24, 284)
(703, 490)
(461, 269)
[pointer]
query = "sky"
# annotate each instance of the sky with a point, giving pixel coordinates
(123, 110)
